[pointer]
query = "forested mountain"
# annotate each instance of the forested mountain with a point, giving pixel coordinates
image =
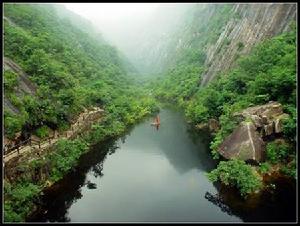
(243, 56)
(71, 66)
(56, 65)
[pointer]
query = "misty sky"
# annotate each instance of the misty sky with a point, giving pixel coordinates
(110, 11)
(114, 19)
(134, 28)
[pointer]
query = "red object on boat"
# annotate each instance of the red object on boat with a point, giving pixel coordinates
(157, 120)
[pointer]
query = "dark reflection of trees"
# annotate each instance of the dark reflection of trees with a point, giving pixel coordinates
(276, 205)
(217, 200)
(56, 201)
(202, 138)
(97, 169)
(54, 204)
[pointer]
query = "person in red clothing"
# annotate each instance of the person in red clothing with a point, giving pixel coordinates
(157, 122)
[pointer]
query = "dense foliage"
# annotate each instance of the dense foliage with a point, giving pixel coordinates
(237, 173)
(268, 73)
(72, 70)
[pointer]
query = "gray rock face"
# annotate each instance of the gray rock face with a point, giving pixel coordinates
(268, 117)
(25, 86)
(269, 129)
(244, 143)
(253, 24)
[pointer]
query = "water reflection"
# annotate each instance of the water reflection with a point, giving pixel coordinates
(217, 200)
(174, 141)
(147, 175)
(57, 200)
(279, 205)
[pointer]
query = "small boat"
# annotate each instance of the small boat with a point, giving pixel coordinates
(156, 122)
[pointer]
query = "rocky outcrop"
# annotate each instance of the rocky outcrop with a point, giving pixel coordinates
(267, 118)
(249, 25)
(212, 125)
(256, 123)
(244, 143)
(25, 86)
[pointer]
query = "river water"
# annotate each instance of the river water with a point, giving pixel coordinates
(154, 175)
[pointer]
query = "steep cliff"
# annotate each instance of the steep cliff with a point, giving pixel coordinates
(250, 24)
(217, 33)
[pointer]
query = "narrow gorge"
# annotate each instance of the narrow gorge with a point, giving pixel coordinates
(85, 83)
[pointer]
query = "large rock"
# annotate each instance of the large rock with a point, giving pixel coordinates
(244, 143)
(279, 123)
(267, 118)
(269, 129)
(255, 123)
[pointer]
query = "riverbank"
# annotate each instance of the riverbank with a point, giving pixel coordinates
(22, 193)
(83, 121)
(146, 168)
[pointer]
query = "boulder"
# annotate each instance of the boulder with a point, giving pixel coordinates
(269, 110)
(213, 125)
(278, 126)
(244, 143)
(258, 122)
(266, 118)
(269, 129)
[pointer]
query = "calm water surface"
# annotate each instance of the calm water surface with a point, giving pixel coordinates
(148, 175)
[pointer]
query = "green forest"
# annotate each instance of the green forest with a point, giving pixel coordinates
(268, 73)
(73, 68)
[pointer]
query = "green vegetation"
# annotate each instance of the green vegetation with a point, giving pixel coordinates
(21, 195)
(42, 132)
(72, 70)
(276, 152)
(268, 73)
(65, 157)
(19, 200)
(10, 81)
(264, 167)
(237, 173)
(290, 169)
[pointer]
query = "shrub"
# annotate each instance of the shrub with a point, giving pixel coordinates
(276, 152)
(290, 169)
(236, 173)
(12, 124)
(10, 81)
(42, 132)
(264, 167)
(19, 200)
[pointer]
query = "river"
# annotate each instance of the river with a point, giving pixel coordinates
(153, 175)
